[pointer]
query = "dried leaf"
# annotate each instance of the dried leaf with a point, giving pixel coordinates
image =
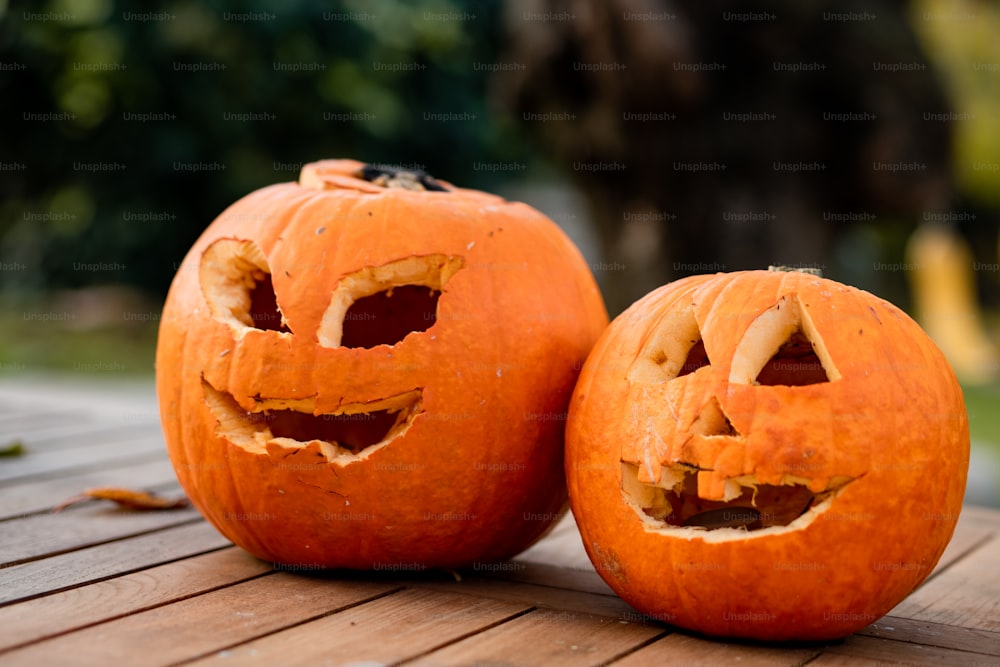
(128, 498)
(13, 448)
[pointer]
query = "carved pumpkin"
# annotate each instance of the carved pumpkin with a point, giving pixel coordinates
(765, 455)
(368, 369)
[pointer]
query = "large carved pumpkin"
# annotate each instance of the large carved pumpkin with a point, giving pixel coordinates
(765, 454)
(367, 369)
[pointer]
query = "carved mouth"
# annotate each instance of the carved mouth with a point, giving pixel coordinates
(674, 502)
(350, 433)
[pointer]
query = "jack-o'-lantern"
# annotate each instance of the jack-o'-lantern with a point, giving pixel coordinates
(765, 454)
(370, 368)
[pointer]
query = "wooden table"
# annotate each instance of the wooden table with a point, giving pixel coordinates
(95, 585)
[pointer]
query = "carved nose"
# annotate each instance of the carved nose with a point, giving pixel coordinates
(713, 421)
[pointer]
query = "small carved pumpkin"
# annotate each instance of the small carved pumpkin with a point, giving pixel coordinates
(368, 369)
(769, 455)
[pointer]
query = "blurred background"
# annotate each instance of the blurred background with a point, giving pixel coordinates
(666, 138)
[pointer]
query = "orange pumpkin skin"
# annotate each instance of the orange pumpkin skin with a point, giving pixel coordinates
(472, 402)
(871, 431)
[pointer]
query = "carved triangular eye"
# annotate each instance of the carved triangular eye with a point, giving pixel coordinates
(264, 311)
(236, 281)
(696, 358)
(782, 347)
(794, 364)
(675, 350)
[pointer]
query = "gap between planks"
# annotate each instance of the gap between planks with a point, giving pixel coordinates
(104, 561)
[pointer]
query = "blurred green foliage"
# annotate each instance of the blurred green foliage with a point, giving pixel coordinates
(154, 145)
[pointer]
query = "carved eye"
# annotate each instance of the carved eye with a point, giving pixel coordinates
(782, 347)
(381, 305)
(236, 281)
(675, 350)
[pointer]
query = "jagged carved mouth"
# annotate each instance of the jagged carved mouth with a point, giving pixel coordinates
(351, 432)
(748, 506)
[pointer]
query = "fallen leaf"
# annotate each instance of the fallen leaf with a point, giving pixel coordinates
(13, 448)
(128, 498)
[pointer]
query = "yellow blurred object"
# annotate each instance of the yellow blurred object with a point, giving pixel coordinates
(944, 296)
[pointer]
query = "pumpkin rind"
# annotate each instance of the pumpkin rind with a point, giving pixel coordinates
(475, 472)
(883, 442)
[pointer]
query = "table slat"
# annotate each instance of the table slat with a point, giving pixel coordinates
(966, 594)
(41, 495)
(535, 595)
(389, 629)
(76, 608)
(100, 455)
(686, 651)
(862, 650)
(201, 625)
(548, 638)
(107, 560)
(935, 634)
(34, 537)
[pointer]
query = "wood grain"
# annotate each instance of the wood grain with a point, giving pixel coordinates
(35, 537)
(203, 624)
(106, 560)
(535, 595)
(47, 463)
(688, 651)
(562, 545)
(872, 650)
(18, 499)
(76, 608)
(23, 424)
(65, 432)
(389, 629)
(967, 594)
(554, 575)
(547, 638)
(969, 534)
(935, 634)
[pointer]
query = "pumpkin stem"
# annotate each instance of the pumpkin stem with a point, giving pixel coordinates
(811, 270)
(393, 177)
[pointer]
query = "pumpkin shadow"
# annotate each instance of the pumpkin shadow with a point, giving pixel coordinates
(742, 642)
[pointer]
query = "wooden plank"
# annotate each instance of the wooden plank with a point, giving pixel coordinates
(534, 595)
(106, 560)
(970, 532)
(548, 639)
(974, 515)
(81, 433)
(562, 547)
(34, 537)
(32, 620)
(935, 634)
(688, 651)
(17, 423)
(98, 398)
(966, 594)
(858, 649)
(203, 624)
(93, 457)
(552, 575)
(389, 629)
(41, 495)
